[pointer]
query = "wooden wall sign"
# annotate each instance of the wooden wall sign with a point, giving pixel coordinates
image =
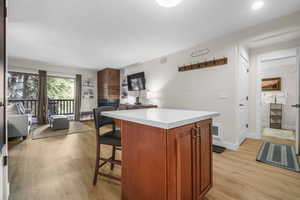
(206, 64)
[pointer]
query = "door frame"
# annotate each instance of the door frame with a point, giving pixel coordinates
(258, 97)
(259, 91)
(243, 60)
(4, 194)
(297, 142)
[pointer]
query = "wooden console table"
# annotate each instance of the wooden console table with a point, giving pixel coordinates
(130, 106)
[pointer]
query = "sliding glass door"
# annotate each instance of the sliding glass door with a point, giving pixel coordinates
(23, 87)
(61, 96)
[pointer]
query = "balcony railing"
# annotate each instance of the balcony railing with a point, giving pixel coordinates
(29, 104)
(55, 106)
(61, 106)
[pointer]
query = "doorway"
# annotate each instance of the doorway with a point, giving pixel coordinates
(278, 95)
(61, 96)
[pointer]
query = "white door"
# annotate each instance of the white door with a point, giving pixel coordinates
(3, 132)
(243, 97)
(2, 178)
(297, 146)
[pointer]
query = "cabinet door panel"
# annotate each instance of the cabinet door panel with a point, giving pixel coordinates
(189, 154)
(202, 159)
(179, 163)
(205, 157)
(114, 77)
(114, 91)
(196, 153)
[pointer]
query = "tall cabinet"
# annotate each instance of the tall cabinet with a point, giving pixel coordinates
(108, 85)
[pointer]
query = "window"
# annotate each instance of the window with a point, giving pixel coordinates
(22, 86)
(60, 88)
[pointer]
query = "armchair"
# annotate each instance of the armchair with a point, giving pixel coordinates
(18, 123)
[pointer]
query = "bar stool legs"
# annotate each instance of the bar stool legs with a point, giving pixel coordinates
(112, 165)
(97, 165)
(112, 160)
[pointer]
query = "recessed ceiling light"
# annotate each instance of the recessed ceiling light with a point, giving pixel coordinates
(168, 3)
(258, 5)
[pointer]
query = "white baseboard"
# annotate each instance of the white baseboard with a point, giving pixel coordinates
(231, 146)
(7, 191)
(227, 145)
(216, 141)
(242, 139)
(254, 136)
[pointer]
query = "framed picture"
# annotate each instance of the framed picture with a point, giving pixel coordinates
(271, 84)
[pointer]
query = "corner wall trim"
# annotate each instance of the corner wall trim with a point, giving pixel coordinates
(253, 136)
(227, 145)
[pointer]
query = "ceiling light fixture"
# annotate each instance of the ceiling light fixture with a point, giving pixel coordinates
(168, 3)
(257, 5)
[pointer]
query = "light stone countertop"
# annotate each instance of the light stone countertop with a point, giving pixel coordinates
(160, 117)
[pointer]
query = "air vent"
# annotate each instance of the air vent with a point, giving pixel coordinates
(216, 130)
(163, 60)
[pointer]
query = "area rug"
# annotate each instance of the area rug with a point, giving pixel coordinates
(279, 133)
(45, 131)
(279, 155)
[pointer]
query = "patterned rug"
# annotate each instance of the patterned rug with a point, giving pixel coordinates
(279, 155)
(45, 131)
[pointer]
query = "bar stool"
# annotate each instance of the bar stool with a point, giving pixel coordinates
(112, 138)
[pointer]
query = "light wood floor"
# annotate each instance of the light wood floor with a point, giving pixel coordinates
(62, 168)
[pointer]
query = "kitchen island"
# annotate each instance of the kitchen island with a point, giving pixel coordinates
(166, 153)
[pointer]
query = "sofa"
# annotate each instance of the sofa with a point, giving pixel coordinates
(18, 121)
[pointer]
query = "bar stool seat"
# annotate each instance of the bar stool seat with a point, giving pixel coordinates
(111, 138)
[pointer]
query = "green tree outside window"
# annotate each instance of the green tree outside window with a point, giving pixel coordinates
(60, 88)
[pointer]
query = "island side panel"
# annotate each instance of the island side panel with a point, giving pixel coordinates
(143, 162)
(117, 123)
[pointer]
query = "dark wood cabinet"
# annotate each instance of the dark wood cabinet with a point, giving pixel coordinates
(160, 164)
(132, 107)
(108, 84)
(191, 171)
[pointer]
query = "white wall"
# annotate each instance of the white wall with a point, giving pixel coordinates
(214, 88)
(29, 66)
(211, 89)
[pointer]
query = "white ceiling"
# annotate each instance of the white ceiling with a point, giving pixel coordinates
(275, 38)
(115, 33)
